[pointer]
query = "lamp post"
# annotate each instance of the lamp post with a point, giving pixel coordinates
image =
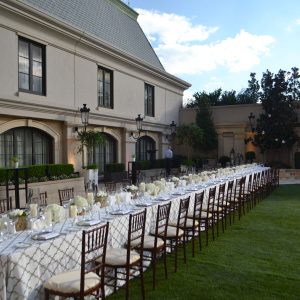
(172, 128)
(139, 127)
(251, 118)
(85, 114)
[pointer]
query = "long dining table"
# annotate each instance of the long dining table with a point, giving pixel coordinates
(25, 264)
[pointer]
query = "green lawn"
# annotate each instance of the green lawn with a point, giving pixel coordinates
(257, 258)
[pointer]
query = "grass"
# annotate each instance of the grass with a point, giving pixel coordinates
(257, 258)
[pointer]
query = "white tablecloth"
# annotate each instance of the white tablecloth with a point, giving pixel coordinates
(23, 271)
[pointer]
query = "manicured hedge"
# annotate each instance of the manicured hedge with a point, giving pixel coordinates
(39, 171)
(109, 168)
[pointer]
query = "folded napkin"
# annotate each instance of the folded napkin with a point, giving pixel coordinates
(47, 236)
(89, 222)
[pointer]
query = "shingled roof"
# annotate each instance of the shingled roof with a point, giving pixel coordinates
(111, 21)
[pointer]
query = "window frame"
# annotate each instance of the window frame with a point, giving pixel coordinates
(111, 102)
(30, 74)
(149, 107)
(25, 156)
(144, 144)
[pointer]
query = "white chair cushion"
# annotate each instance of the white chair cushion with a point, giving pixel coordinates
(171, 232)
(69, 282)
(149, 242)
(117, 256)
(189, 222)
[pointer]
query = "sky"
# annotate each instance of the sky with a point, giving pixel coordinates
(217, 43)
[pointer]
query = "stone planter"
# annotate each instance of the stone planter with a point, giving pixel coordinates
(90, 175)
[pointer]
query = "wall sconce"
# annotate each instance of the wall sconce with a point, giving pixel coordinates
(251, 118)
(172, 127)
(139, 127)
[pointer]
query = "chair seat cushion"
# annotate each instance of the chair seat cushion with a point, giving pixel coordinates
(117, 257)
(189, 223)
(69, 282)
(149, 242)
(171, 231)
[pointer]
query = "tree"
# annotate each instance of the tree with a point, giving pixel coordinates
(275, 126)
(190, 135)
(205, 123)
(88, 140)
(250, 94)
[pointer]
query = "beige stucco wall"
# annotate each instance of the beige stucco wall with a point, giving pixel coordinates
(72, 61)
(232, 125)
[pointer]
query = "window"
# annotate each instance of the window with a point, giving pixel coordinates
(31, 145)
(31, 67)
(105, 153)
(145, 147)
(149, 100)
(105, 88)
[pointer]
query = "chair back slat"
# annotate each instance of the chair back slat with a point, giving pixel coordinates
(110, 186)
(162, 219)
(211, 199)
(183, 212)
(65, 195)
(199, 197)
(136, 231)
(5, 204)
(43, 199)
(94, 244)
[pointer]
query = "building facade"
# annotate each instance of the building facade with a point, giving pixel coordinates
(234, 132)
(58, 55)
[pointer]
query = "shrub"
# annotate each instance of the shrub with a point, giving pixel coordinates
(60, 169)
(92, 167)
(38, 173)
(114, 167)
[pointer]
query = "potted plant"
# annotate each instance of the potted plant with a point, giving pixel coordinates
(133, 157)
(88, 140)
(15, 161)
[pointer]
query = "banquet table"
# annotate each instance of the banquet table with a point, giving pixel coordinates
(24, 270)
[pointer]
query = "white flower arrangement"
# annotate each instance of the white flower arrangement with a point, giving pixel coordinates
(175, 179)
(142, 187)
(57, 212)
(80, 202)
(101, 194)
(150, 188)
(132, 188)
(16, 213)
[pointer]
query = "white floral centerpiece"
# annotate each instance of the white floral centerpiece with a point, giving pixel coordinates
(101, 198)
(175, 180)
(161, 185)
(19, 217)
(81, 204)
(57, 212)
(132, 189)
(142, 187)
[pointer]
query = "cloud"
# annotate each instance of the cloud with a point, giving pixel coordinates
(172, 29)
(185, 48)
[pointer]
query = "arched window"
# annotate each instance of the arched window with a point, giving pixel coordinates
(32, 146)
(143, 148)
(106, 153)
